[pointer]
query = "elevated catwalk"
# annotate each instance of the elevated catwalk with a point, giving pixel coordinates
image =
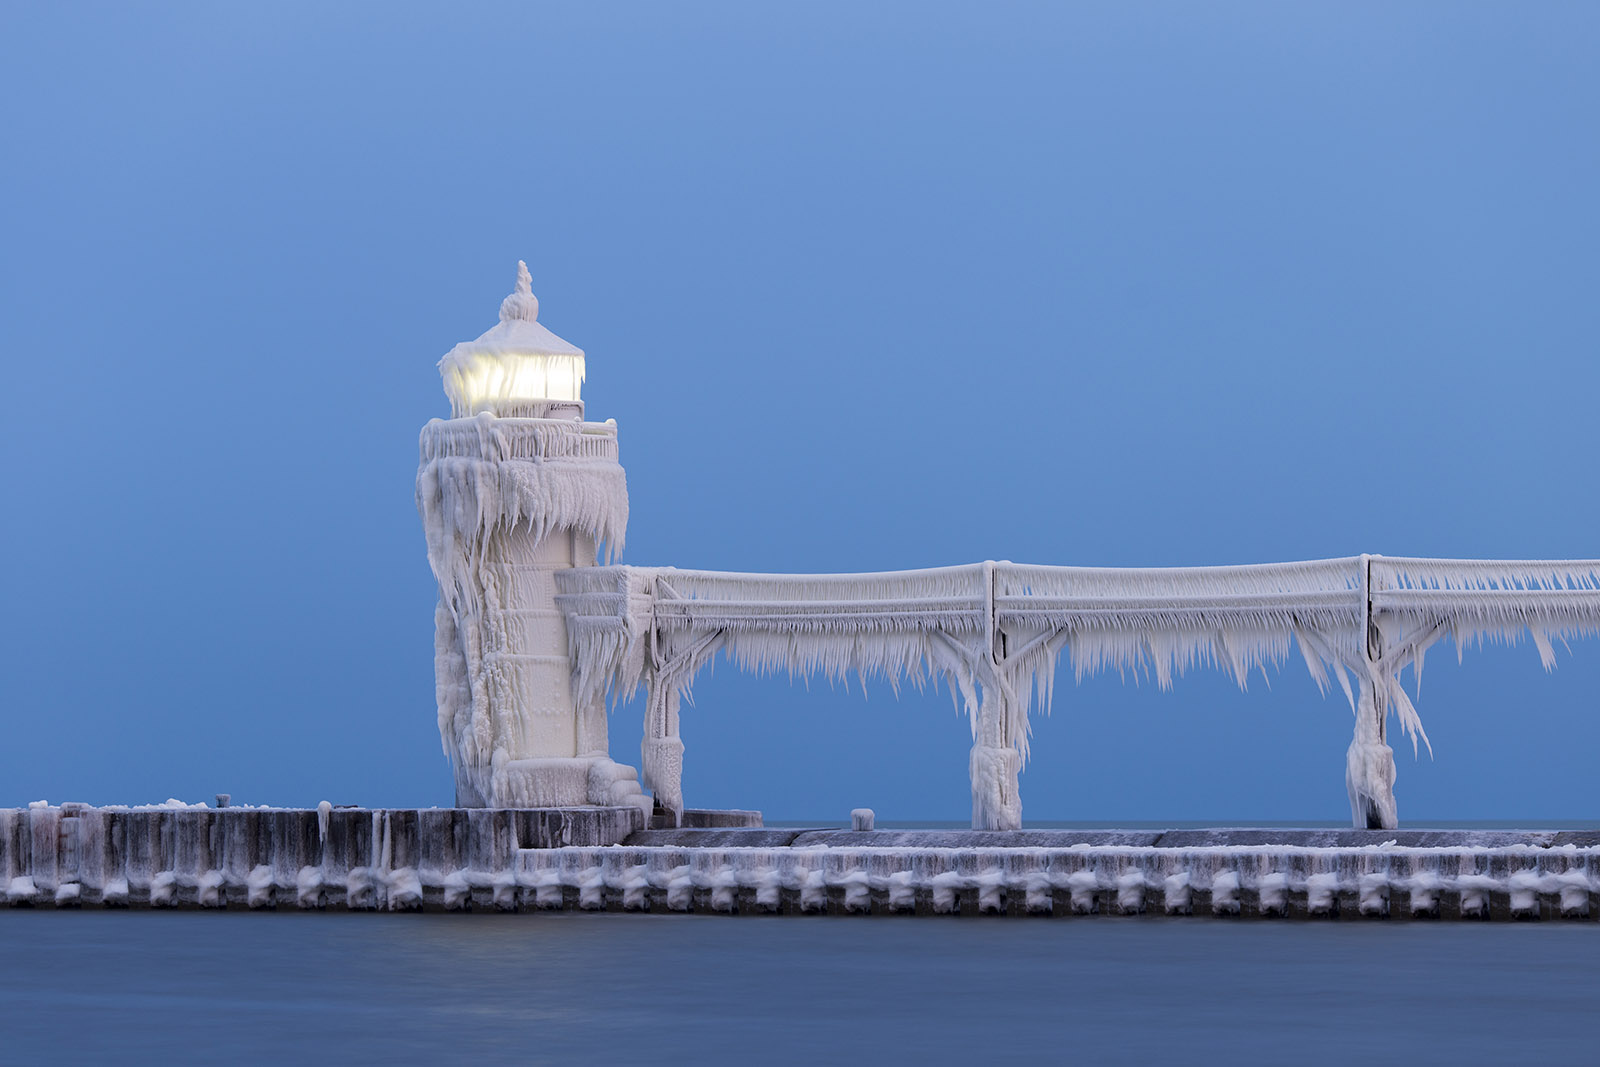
(998, 634)
(603, 859)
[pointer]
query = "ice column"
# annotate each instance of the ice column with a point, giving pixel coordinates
(514, 488)
(670, 661)
(1369, 770)
(662, 748)
(995, 763)
(999, 733)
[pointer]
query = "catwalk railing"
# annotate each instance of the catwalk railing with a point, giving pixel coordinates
(995, 634)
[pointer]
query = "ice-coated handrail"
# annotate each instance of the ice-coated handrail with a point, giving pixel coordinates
(995, 633)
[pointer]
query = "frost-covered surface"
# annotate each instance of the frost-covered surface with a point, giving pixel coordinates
(516, 492)
(516, 368)
(1266, 879)
(280, 857)
(398, 859)
(995, 634)
(512, 490)
(503, 503)
(485, 475)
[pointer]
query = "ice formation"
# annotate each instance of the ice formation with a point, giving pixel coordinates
(75, 855)
(517, 493)
(516, 368)
(1120, 879)
(513, 489)
(994, 633)
(174, 854)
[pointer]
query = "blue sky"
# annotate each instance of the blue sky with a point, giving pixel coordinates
(866, 286)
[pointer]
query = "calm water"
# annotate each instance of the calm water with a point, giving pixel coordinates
(190, 987)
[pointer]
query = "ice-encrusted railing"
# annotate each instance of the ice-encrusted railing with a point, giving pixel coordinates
(992, 632)
(1496, 600)
(487, 437)
(995, 634)
(659, 626)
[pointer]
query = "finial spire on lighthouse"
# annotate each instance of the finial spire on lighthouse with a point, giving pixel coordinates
(521, 304)
(516, 369)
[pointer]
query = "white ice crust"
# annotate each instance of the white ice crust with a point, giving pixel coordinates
(1081, 879)
(76, 855)
(516, 492)
(507, 500)
(516, 367)
(995, 633)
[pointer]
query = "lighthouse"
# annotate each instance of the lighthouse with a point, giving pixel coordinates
(514, 487)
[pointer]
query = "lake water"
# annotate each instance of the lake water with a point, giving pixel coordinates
(145, 986)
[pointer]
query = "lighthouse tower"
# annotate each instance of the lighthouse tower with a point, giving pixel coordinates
(512, 488)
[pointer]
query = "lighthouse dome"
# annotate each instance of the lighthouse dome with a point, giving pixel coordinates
(517, 369)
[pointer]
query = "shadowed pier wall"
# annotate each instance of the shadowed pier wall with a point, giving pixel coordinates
(264, 857)
(604, 859)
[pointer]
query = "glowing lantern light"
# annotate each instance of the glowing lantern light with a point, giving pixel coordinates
(518, 369)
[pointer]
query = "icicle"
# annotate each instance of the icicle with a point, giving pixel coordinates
(1547, 652)
(940, 625)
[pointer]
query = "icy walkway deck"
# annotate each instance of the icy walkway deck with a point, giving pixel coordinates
(602, 859)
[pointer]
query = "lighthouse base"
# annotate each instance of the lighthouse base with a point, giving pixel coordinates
(584, 781)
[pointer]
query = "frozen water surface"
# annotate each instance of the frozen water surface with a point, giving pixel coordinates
(143, 986)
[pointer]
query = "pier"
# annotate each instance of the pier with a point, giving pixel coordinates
(538, 636)
(604, 859)
(524, 504)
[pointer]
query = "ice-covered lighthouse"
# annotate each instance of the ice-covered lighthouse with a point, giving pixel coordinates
(512, 488)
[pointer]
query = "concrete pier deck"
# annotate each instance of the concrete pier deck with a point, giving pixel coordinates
(605, 859)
